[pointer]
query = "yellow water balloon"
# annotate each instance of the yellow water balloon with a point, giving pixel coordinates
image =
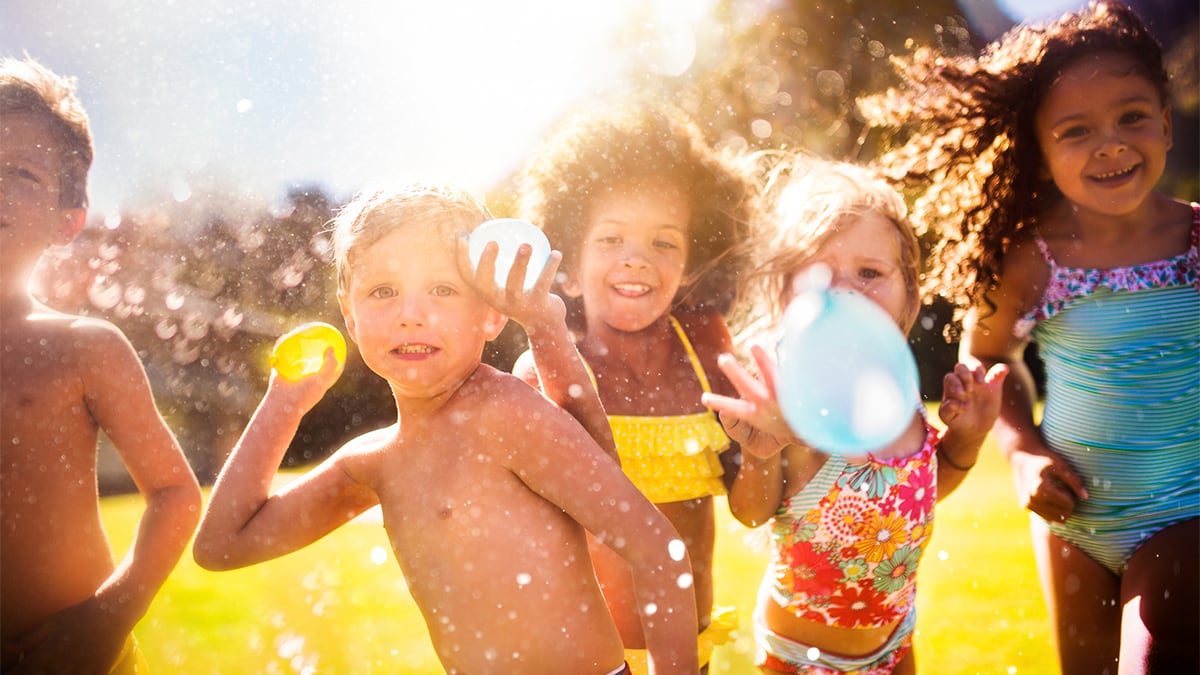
(301, 352)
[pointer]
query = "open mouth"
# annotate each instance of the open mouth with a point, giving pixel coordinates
(631, 290)
(1115, 175)
(414, 350)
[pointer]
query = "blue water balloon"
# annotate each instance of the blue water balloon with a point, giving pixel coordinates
(509, 234)
(847, 381)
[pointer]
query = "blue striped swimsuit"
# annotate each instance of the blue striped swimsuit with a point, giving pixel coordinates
(1121, 348)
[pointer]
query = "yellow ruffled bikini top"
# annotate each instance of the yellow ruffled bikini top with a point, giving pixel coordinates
(672, 458)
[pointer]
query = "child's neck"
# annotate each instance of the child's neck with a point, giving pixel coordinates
(414, 410)
(642, 346)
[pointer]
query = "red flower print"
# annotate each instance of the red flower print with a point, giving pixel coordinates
(858, 606)
(813, 573)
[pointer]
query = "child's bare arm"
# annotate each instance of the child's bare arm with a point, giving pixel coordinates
(118, 397)
(637, 531)
(246, 524)
(553, 365)
(755, 422)
(970, 403)
(1046, 484)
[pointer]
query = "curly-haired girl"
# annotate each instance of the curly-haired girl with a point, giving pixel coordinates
(1038, 162)
(651, 221)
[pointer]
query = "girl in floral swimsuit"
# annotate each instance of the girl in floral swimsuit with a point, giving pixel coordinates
(1064, 239)
(848, 532)
(651, 222)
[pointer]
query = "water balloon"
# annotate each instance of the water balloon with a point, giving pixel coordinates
(847, 381)
(509, 234)
(301, 352)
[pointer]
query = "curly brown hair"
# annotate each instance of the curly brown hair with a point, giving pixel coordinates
(631, 140)
(971, 156)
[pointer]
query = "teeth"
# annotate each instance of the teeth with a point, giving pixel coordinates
(631, 288)
(415, 349)
(1114, 174)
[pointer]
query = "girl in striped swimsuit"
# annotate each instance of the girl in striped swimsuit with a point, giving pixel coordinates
(1064, 240)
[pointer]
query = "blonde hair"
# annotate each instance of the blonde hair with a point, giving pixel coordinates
(806, 201)
(373, 214)
(27, 86)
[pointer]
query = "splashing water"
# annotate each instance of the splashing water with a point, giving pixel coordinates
(676, 548)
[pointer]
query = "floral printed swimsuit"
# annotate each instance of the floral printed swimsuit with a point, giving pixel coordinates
(848, 544)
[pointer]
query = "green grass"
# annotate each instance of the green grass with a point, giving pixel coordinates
(341, 605)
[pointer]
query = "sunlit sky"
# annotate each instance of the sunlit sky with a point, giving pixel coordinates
(252, 96)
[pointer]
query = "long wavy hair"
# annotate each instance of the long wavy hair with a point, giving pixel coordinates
(970, 158)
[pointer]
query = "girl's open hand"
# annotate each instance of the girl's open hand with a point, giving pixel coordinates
(971, 399)
(754, 420)
(533, 308)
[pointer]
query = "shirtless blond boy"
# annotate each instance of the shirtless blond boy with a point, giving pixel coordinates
(67, 607)
(486, 487)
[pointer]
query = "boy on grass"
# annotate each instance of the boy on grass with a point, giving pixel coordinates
(486, 487)
(67, 607)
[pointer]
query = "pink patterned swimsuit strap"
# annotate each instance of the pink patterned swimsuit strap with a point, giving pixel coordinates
(1066, 284)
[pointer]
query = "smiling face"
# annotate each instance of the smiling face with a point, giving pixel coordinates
(865, 256)
(31, 216)
(634, 255)
(1104, 132)
(416, 321)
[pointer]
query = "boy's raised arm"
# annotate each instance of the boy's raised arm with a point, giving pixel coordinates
(246, 524)
(564, 465)
(560, 373)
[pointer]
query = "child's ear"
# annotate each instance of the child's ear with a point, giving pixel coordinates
(347, 315)
(493, 323)
(70, 224)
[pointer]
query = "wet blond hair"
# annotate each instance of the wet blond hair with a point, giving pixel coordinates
(373, 214)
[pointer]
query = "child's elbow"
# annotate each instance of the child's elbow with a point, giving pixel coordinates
(211, 556)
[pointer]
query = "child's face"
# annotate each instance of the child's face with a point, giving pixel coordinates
(416, 321)
(30, 216)
(634, 254)
(1104, 133)
(864, 256)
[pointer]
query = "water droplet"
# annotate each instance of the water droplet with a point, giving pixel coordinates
(105, 292)
(684, 580)
(943, 555)
(379, 555)
(523, 579)
(677, 549)
(244, 105)
(813, 653)
(174, 299)
(651, 609)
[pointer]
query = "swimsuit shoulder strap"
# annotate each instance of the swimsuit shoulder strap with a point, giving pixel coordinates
(695, 360)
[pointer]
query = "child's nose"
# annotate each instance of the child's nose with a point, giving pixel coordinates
(1112, 146)
(634, 255)
(412, 311)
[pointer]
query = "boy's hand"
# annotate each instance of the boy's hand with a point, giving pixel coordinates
(971, 399)
(535, 308)
(302, 394)
(83, 638)
(754, 421)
